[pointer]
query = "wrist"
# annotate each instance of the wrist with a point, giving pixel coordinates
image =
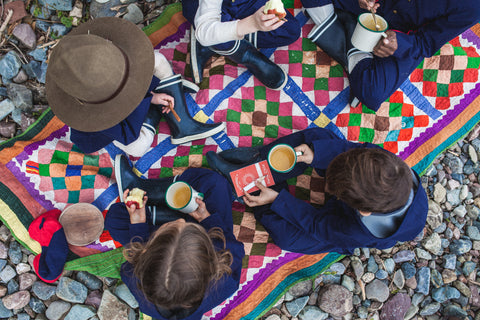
(246, 26)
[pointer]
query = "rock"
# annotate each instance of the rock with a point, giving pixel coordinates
(76, 13)
(377, 290)
(439, 193)
(396, 307)
(39, 54)
(21, 77)
(459, 247)
(21, 96)
(295, 306)
(381, 274)
(430, 309)
(40, 12)
(60, 30)
(37, 305)
(473, 233)
(301, 289)
(435, 214)
(273, 317)
(436, 278)
(6, 107)
(389, 265)
(433, 244)
(60, 5)
(453, 197)
(111, 308)
(27, 280)
(460, 211)
(71, 290)
(448, 276)
(423, 280)
(102, 9)
(368, 277)
(463, 288)
(450, 261)
(411, 312)
(15, 252)
(4, 312)
(439, 294)
(403, 256)
(452, 293)
(134, 14)
(7, 274)
(12, 286)
(312, 313)
(79, 312)
(348, 282)
(422, 254)
(454, 311)
(17, 300)
(94, 298)
(338, 268)
(10, 65)
(362, 312)
(43, 290)
(89, 280)
(18, 8)
(25, 34)
(335, 299)
(357, 268)
(408, 270)
(124, 293)
(475, 296)
(57, 309)
(399, 279)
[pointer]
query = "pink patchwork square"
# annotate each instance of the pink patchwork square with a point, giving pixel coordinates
(233, 129)
(306, 29)
(235, 104)
(244, 141)
(297, 45)
(295, 70)
(444, 76)
(168, 53)
(281, 57)
(45, 155)
(336, 84)
(163, 128)
(285, 109)
(272, 250)
(216, 82)
(101, 182)
(167, 161)
(322, 98)
(45, 184)
(255, 261)
(368, 120)
(182, 151)
(283, 132)
(299, 122)
(178, 67)
(308, 84)
(87, 195)
(273, 95)
(154, 173)
(395, 123)
(460, 63)
(202, 97)
(61, 196)
(63, 145)
(220, 116)
(447, 49)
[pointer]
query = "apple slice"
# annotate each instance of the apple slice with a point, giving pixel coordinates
(135, 196)
(275, 7)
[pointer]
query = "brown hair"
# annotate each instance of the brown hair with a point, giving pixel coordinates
(175, 267)
(369, 180)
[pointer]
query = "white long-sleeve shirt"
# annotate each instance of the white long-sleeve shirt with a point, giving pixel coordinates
(210, 30)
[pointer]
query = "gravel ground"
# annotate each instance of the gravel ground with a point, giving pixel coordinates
(432, 277)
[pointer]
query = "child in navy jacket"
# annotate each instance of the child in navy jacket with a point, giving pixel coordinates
(185, 267)
(376, 200)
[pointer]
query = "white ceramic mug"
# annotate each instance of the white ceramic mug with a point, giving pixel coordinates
(181, 196)
(282, 158)
(365, 36)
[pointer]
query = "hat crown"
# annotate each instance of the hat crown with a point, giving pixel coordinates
(89, 68)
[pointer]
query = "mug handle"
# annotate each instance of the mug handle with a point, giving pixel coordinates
(299, 153)
(200, 196)
(384, 35)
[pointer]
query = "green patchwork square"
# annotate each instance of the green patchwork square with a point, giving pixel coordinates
(308, 45)
(179, 56)
(196, 149)
(204, 162)
(395, 110)
(260, 92)
(233, 116)
(73, 196)
(245, 262)
(430, 75)
(166, 172)
(271, 131)
(88, 182)
(76, 149)
(367, 110)
(44, 170)
(309, 70)
(285, 122)
(58, 183)
(220, 69)
(245, 130)
(473, 63)
(456, 76)
(459, 51)
(295, 56)
(336, 71)
(237, 217)
(272, 108)
(257, 141)
(107, 172)
(355, 119)
(91, 160)
(302, 193)
(248, 105)
(366, 135)
(258, 249)
(180, 161)
(60, 157)
(288, 3)
(442, 90)
(321, 84)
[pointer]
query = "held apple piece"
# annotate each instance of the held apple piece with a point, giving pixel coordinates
(275, 7)
(135, 196)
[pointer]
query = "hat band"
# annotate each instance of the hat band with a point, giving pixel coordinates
(120, 87)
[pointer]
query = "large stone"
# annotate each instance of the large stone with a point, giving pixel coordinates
(4, 312)
(6, 107)
(61, 5)
(57, 309)
(89, 280)
(26, 280)
(399, 279)
(435, 214)
(100, 9)
(460, 246)
(80, 312)
(439, 193)
(7, 274)
(312, 313)
(10, 65)
(71, 290)
(17, 300)
(134, 14)
(396, 307)
(124, 293)
(111, 308)
(26, 35)
(423, 280)
(403, 256)
(295, 306)
(336, 300)
(433, 243)
(377, 290)
(18, 8)
(21, 96)
(43, 290)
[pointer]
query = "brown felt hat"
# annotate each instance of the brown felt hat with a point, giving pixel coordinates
(82, 223)
(99, 73)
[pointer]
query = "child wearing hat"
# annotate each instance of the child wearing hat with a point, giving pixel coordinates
(105, 81)
(186, 265)
(376, 199)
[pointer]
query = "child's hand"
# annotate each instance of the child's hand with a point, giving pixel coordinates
(136, 215)
(369, 5)
(266, 196)
(307, 155)
(386, 46)
(164, 100)
(266, 22)
(201, 212)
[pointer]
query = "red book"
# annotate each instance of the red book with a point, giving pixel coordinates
(247, 175)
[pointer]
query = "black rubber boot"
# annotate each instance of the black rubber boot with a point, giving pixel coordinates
(330, 37)
(349, 22)
(199, 56)
(152, 119)
(187, 129)
(222, 166)
(242, 155)
(265, 70)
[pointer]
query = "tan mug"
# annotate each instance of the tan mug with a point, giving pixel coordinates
(365, 36)
(181, 196)
(282, 158)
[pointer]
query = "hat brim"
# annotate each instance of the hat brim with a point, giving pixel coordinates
(82, 223)
(97, 117)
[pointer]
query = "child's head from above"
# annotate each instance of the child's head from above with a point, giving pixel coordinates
(370, 180)
(178, 264)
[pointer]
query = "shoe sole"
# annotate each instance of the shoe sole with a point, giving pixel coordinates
(116, 166)
(198, 136)
(193, 57)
